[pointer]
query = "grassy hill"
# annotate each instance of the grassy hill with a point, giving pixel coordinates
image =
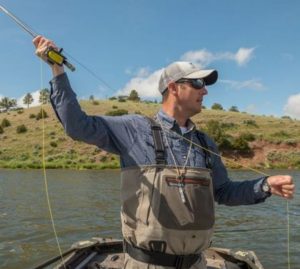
(274, 143)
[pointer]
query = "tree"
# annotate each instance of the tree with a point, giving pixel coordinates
(234, 109)
(44, 96)
(28, 99)
(217, 106)
(7, 103)
(133, 96)
(91, 98)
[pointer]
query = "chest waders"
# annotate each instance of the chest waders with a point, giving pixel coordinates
(159, 229)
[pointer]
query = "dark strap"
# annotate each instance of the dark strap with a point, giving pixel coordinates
(160, 155)
(160, 258)
(207, 154)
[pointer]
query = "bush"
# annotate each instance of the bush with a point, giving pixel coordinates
(112, 98)
(215, 131)
(114, 107)
(53, 144)
(41, 114)
(286, 117)
(234, 109)
(228, 125)
(32, 116)
(21, 129)
(250, 123)
(217, 106)
(247, 136)
(118, 112)
(240, 144)
(1, 130)
(5, 123)
(95, 103)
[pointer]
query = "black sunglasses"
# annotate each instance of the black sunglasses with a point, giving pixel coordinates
(197, 83)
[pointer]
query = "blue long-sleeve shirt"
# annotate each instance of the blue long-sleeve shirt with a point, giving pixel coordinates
(130, 137)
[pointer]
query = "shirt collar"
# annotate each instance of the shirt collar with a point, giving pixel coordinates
(170, 123)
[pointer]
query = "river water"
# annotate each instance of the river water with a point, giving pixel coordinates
(86, 204)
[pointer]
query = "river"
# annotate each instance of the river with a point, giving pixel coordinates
(86, 204)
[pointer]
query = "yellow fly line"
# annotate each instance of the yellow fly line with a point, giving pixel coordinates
(45, 174)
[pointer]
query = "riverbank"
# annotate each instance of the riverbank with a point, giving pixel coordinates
(268, 142)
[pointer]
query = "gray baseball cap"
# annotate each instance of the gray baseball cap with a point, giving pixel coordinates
(178, 70)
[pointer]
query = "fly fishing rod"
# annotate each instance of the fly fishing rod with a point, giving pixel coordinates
(53, 56)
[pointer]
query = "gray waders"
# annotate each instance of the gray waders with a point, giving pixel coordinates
(162, 229)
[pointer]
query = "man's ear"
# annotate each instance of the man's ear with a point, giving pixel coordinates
(172, 88)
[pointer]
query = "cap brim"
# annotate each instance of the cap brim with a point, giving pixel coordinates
(209, 76)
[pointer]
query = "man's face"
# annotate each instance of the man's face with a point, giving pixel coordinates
(190, 98)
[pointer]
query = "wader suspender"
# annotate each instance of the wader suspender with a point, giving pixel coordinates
(160, 149)
(160, 155)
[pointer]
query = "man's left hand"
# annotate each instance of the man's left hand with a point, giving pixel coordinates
(282, 185)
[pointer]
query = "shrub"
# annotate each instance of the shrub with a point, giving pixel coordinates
(228, 125)
(286, 117)
(5, 123)
(112, 98)
(234, 109)
(32, 116)
(53, 144)
(20, 111)
(217, 106)
(247, 136)
(122, 100)
(114, 107)
(281, 134)
(240, 144)
(21, 129)
(1, 130)
(250, 123)
(41, 114)
(215, 131)
(118, 112)
(95, 103)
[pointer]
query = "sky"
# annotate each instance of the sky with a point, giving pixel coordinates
(254, 45)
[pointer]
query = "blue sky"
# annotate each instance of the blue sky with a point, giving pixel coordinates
(254, 45)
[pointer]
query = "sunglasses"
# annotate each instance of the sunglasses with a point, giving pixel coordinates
(197, 83)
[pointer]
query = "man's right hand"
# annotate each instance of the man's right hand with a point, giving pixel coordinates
(42, 44)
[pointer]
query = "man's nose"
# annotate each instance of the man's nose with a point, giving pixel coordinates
(204, 90)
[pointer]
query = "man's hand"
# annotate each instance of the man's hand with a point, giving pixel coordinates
(282, 186)
(42, 44)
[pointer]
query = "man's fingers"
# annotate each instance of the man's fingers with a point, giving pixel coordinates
(290, 187)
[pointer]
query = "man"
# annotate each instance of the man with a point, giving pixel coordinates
(168, 183)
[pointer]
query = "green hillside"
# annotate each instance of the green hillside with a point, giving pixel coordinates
(255, 141)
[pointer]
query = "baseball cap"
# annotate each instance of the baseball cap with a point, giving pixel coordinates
(178, 70)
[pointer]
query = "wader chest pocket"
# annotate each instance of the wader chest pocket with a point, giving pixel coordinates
(198, 210)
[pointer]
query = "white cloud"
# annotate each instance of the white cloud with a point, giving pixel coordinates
(292, 107)
(35, 96)
(251, 109)
(252, 84)
(243, 55)
(203, 57)
(145, 83)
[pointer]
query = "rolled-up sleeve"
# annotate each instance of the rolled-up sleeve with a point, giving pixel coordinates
(113, 134)
(230, 192)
